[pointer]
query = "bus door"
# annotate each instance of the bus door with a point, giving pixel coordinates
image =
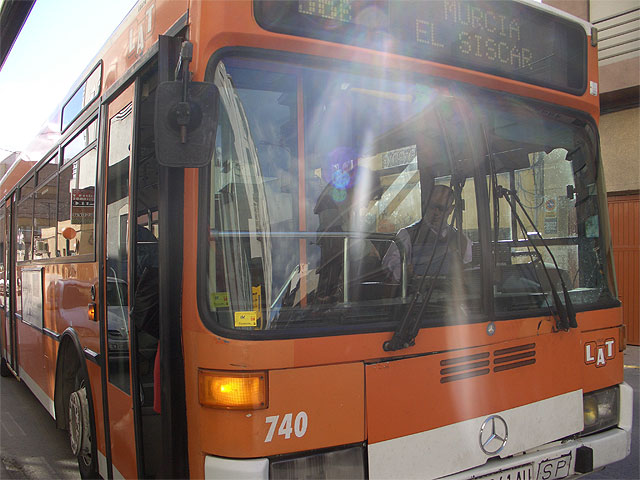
(6, 260)
(115, 285)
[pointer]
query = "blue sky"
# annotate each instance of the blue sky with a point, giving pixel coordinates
(56, 43)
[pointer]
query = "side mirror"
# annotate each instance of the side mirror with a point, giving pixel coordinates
(185, 131)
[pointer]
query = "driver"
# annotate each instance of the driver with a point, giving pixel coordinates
(431, 232)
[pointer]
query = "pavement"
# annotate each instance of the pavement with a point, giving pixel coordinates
(629, 468)
(632, 357)
(31, 447)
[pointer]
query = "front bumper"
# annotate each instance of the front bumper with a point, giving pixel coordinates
(607, 447)
(585, 454)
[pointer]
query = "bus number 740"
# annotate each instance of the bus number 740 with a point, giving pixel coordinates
(287, 426)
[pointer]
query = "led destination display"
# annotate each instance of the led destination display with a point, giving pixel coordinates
(509, 39)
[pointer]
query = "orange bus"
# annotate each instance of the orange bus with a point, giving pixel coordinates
(323, 239)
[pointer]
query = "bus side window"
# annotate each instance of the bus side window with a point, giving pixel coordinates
(76, 206)
(25, 221)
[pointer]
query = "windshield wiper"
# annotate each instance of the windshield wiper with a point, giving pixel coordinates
(450, 116)
(566, 313)
(405, 334)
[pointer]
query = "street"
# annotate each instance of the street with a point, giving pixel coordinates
(31, 447)
(30, 444)
(629, 468)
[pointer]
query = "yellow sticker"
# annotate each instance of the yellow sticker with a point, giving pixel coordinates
(220, 299)
(256, 293)
(245, 319)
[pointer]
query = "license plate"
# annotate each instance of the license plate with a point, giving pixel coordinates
(554, 469)
(523, 472)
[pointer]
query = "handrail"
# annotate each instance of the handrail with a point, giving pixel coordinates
(374, 236)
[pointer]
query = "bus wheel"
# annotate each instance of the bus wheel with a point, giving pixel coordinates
(80, 429)
(4, 369)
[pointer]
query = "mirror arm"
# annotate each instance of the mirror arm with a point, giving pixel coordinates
(183, 111)
(185, 116)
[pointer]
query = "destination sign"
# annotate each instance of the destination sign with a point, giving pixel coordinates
(509, 39)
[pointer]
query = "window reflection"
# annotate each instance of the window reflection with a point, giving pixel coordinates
(75, 226)
(317, 173)
(24, 222)
(117, 227)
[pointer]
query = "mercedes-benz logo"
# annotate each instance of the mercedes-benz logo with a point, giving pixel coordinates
(491, 329)
(493, 435)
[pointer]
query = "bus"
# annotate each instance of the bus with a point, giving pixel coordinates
(323, 239)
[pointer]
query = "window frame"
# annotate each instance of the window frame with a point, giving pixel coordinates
(482, 197)
(40, 183)
(85, 128)
(63, 168)
(21, 200)
(64, 126)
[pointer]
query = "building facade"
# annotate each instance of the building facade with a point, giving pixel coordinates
(618, 24)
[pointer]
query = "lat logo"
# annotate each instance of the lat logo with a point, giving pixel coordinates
(599, 353)
(141, 29)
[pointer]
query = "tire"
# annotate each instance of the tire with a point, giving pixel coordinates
(4, 369)
(81, 436)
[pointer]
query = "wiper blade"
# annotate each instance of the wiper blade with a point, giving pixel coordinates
(407, 330)
(566, 312)
(450, 116)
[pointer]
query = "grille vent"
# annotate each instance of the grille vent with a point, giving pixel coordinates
(469, 366)
(514, 357)
(464, 367)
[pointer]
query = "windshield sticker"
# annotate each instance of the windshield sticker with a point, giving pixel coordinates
(551, 216)
(245, 319)
(256, 293)
(220, 299)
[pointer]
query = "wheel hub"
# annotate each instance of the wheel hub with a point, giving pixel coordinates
(79, 427)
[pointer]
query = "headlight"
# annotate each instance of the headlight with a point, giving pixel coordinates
(347, 463)
(600, 410)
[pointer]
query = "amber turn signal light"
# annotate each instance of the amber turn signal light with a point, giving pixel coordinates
(92, 311)
(231, 390)
(623, 338)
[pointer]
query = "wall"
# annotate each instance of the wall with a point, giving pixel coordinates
(618, 26)
(620, 147)
(624, 214)
(579, 8)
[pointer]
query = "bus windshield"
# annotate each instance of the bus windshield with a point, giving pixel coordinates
(336, 197)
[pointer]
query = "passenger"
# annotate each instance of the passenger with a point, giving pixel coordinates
(421, 238)
(339, 209)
